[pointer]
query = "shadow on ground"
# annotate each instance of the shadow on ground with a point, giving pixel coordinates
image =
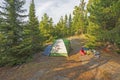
(74, 67)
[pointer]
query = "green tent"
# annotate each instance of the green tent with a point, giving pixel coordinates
(60, 47)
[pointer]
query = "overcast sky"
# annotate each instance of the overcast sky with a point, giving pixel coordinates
(54, 8)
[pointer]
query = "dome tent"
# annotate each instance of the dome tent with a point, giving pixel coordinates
(60, 47)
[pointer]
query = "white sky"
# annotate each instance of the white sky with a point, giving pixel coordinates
(54, 8)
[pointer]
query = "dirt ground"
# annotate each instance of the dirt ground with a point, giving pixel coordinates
(74, 67)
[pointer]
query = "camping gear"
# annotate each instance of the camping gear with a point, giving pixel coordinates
(87, 50)
(96, 53)
(60, 47)
(82, 52)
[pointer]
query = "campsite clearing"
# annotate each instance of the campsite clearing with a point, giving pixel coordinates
(74, 67)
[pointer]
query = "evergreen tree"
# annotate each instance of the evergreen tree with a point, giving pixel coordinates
(51, 28)
(12, 31)
(104, 15)
(66, 26)
(46, 25)
(34, 32)
(63, 27)
(60, 28)
(79, 18)
(70, 25)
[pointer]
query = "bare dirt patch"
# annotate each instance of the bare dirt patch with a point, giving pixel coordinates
(74, 67)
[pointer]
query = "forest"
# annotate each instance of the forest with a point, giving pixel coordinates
(99, 20)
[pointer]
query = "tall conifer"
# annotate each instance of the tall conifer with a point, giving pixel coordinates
(79, 18)
(11, 30)
(34, 28)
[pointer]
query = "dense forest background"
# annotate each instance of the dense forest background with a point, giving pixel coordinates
(99, 20)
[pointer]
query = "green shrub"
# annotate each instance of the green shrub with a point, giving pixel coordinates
(91, 41)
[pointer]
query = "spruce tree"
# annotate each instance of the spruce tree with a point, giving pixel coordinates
(61, 28)
(34, 28)
(104, 20)
(79, 18)
(70, 25)
(11, 31)
(66, 30)
(46, 26)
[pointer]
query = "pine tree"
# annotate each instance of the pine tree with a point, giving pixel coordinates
(46, 26)
(12, 31)
(34, 28)
(51, 29)
(102, 14)
(61, 28)
(104, 18)
(70, 25)
(79, 18)
(66, 33)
